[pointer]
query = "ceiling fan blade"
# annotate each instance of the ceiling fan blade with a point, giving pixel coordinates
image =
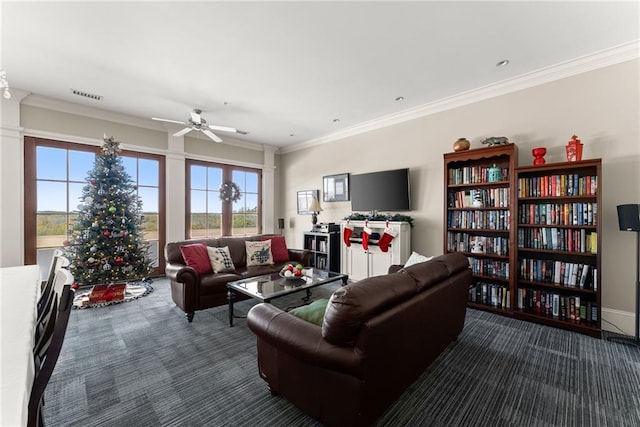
(182, 132)
(195, 116)
(211, 135)
(227, 129)
(223, 128)
(168, 120)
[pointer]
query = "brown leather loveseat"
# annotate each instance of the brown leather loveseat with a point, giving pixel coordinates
(377, 337)
(192, 291)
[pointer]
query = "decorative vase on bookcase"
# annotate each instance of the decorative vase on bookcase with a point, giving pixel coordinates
(479, 188)
(558, 256)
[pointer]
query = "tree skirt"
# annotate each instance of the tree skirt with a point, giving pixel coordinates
(131, 292)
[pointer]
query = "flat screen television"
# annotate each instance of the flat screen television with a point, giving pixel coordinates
(381, 191)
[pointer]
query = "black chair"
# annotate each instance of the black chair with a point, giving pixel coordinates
(44, 303)
(48, 350)
(44, 326)
(58, 261)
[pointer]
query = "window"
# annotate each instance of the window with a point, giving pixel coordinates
(207, 215)
(55, 173)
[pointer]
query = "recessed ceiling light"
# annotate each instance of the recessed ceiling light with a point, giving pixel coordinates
(502, 63)
(336, 120)
(400, 98)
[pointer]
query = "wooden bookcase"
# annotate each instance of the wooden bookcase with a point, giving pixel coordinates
(325, 249)
(557, 271)
(485, 234)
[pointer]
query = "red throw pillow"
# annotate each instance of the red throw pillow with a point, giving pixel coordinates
(278, 248)
(196, 257)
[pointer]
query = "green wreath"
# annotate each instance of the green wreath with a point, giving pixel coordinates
(230, 192)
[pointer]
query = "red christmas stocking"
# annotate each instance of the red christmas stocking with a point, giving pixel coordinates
(366, 233)
(386, 238)
(348, 229)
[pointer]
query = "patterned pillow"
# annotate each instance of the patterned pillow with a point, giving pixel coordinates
(259, 253)
(221, 260)
(195, 256)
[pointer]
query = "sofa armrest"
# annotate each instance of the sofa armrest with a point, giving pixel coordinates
(394, 268)
(181, 273)
(301, 256)
(301, 340)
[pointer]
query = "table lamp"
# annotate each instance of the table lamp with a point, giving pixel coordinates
(315, 209)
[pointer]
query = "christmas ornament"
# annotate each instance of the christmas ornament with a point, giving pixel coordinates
(106, 266)
(107, 233)
(119, 260)
(112, 209)
(91, 260)
(95, 225)
(93, 249)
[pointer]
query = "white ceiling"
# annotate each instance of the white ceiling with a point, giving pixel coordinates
(277, 69)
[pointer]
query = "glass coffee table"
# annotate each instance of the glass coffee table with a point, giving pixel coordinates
(270, 286)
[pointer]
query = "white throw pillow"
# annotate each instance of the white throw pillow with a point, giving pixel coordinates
(220, 258)
(259, 253)
(416, 258)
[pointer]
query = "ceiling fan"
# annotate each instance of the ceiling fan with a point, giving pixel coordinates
(197, 122)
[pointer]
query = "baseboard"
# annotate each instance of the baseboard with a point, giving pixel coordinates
(624, 320)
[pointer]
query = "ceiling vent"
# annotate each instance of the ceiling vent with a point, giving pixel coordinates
(87, 95)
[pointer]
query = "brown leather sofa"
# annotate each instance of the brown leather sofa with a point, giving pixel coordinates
(378, 336)
(192, 291)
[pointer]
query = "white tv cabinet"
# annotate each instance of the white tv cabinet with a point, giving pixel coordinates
(360, 264)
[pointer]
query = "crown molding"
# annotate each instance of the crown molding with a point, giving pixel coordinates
(583, 64)
(47, 103)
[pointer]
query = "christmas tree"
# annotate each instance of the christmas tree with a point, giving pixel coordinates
(105, 244)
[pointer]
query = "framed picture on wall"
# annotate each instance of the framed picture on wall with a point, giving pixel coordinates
(335, 188)
(304, 201)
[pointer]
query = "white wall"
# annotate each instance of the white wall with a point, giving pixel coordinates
(601, 107)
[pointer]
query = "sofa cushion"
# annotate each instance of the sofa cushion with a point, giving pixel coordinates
(259, 253)
(429, 273)
(352, 305)
(195, 256)
(220, 259)
(278, 248)
(313, 312)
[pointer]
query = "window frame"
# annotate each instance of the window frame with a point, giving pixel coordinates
(31, 145)
(226, 223)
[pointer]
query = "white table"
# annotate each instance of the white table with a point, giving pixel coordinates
(19, 291)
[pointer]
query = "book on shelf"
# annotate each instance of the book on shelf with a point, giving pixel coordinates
(552, 304)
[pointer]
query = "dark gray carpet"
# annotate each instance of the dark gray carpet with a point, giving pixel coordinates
(141, 364)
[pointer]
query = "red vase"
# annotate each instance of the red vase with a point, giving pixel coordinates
(538, 155)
